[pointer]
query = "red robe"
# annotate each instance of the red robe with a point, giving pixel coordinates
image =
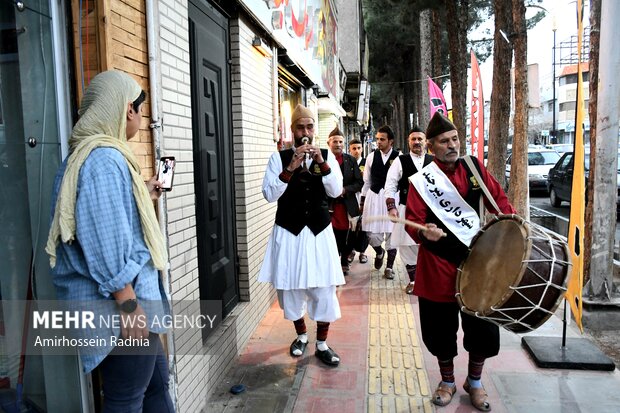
(435, 276)
(340, 218)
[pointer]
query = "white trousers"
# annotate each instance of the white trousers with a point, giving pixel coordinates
(375, 239)
(409, 254)
(321, 303)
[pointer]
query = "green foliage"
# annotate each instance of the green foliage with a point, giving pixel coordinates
(393, 33)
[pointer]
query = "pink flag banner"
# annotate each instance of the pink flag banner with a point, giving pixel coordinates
(438, 103)
(477, 110)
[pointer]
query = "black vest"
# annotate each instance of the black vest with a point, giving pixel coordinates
(362, 165)
(304, 203)
(379, 170)
(450, 247)
(409, 169)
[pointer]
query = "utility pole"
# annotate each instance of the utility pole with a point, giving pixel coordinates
(605, 187)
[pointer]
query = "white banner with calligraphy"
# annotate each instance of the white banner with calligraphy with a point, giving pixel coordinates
(446, 203)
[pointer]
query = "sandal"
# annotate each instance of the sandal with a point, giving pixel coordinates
(328, 356)
(478, 397)
(299, 345)
(443, 394)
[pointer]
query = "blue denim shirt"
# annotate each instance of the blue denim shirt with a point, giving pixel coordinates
(109, 250)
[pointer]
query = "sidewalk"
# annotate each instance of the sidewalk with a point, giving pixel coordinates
(386, 368)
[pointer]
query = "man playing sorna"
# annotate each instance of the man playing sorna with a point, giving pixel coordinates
(301, 260)
(444, 196)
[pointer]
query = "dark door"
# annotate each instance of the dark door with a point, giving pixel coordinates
(213, 160)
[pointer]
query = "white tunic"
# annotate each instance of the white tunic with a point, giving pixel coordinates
(305, 260)
(374, 204)
(399, 235)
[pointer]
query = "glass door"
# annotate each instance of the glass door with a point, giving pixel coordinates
(29, 156)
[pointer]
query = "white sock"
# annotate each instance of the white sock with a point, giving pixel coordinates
(475, 384)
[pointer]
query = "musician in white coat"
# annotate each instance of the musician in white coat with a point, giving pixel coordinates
(397, 187)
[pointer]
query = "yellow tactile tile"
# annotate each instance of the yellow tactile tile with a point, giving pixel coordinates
(397, 380)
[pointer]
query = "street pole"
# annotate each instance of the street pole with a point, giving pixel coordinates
(553, 137)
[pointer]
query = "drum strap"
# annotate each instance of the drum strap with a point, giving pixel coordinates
(474, 171)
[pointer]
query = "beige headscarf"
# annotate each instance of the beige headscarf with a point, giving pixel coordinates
(102, 123)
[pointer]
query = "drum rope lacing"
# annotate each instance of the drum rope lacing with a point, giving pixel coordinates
(549, 240)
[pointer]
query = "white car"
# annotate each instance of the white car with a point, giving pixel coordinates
(561, 148)
(539, 162)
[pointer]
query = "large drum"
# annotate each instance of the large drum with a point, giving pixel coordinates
(515, 274)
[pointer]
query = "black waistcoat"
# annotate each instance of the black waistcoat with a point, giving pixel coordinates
(379, 170)
(409, 169)
(304, 203)
(450, 247)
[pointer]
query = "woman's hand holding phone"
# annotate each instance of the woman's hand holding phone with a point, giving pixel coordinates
(154, 188)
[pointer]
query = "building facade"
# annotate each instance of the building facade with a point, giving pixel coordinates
(222, 78)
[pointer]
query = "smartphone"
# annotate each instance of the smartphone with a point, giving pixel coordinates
(165, 172)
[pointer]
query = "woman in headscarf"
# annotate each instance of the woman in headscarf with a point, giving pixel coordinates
(105, 247)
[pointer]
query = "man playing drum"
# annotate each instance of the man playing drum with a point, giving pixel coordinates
(444, 196)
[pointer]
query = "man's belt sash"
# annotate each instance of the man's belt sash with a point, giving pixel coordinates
(446, 203)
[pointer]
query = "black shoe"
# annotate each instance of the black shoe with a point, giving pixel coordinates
(379, 259)
(326, 356)
(351, 257)
(298, 345)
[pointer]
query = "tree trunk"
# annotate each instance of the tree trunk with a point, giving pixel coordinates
(436, 35)
(418, 92)
(600, 286)
(595, 21)
(519, 187)
(426, 62)
(401, 136)
(500, 101)
(457, 11)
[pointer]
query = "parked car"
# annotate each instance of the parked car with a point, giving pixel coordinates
(561, 148)
(560, 181)
(539, 161)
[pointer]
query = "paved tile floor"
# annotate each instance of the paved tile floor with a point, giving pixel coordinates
(386, 368)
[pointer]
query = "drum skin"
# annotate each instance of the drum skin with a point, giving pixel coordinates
(515, 274)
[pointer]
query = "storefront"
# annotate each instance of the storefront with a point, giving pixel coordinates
(305, 34)
(35, 120)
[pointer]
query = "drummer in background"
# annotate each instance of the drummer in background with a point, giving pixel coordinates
(434, 201)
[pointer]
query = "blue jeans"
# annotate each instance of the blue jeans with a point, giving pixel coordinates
(135, 379)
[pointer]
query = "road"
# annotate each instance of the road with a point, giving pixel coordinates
(608, 340)
(541, 200)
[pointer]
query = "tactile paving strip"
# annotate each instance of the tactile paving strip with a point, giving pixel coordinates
(397, 380)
